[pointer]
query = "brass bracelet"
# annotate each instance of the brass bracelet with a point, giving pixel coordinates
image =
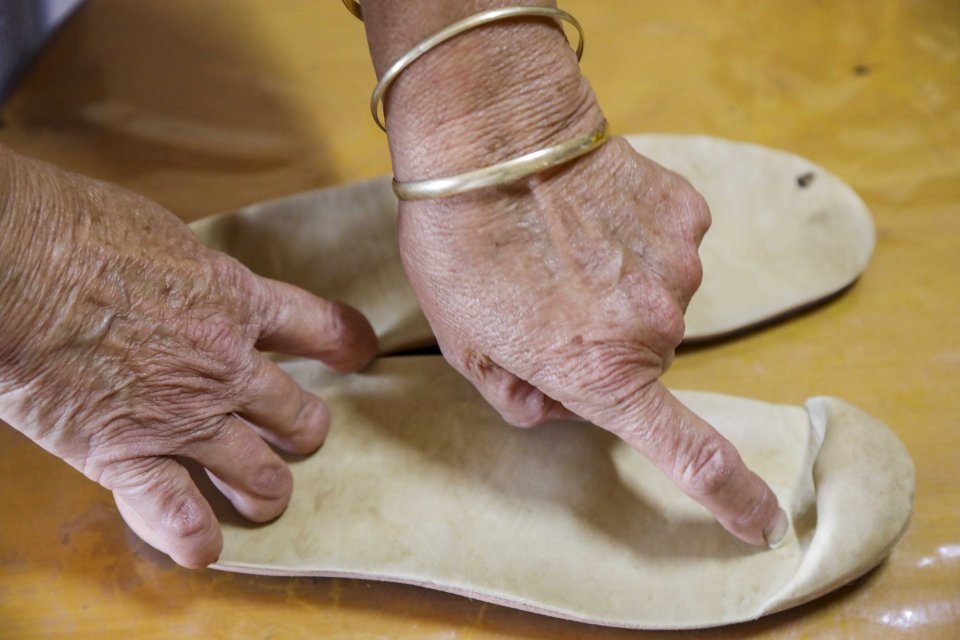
(354, 7)
(455, 29)
(503, 172)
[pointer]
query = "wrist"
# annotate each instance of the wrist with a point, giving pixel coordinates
(488, 95)
(29, 225)
(13, 271)
(7, 187)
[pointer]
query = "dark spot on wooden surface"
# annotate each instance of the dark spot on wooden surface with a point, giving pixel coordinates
(804, 180)
(861, 70)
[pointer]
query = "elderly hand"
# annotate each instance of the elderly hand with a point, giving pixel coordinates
(567, 296)
(126, 347)
(561, 294)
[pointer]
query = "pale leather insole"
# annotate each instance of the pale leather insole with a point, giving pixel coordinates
(785, 234)
(421, 482)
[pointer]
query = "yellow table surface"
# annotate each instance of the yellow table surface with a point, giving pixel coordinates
(209, 105)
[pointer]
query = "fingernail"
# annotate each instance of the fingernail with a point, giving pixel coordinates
(776, 531)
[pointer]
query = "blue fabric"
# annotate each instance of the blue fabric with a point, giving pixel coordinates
(25, 26)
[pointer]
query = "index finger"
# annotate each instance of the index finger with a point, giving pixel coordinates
(703, 464)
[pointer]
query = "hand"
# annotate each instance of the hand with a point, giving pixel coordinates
(562, 294)
(566, 297)
(126, 346)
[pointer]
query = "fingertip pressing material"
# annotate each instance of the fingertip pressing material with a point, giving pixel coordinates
(656, 558)
(164, 507)
(356, 345)
(198, 554)
(776, 532)
(591, 530)
(282, 413)
(299, 323)
(708, 468)
(256, 508)
(314, 425)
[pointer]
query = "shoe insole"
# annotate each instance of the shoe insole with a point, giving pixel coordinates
(786, 234)
(421, 482)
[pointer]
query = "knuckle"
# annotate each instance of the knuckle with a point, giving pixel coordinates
(699, 211)
(220, 340)
(666, 319)
(184, 518)
(605, 364)
(518, 402)
(309, 427)
(612, 378)
(710, 470)
(101, 459)
(231, 275)
(211, 431)
(272, 481)
(690, 274)
(694, 210)
(639, 417)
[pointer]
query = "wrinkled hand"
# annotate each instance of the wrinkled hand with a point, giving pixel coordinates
(126, 346)
(564, 295)
(561, 294)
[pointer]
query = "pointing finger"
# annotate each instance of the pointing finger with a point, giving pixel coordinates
(703, 464)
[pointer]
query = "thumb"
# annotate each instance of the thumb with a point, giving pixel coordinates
(702, 463)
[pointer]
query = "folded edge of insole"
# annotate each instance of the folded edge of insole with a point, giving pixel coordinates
(786, 233)
(421, 482)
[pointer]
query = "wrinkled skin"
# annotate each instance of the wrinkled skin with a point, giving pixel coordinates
(128, 347)
(564, 296)
(561, 294)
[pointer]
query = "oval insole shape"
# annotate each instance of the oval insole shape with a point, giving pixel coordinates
(786, 233)
(421, 482)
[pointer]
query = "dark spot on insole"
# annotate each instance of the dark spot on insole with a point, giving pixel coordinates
(804, 180)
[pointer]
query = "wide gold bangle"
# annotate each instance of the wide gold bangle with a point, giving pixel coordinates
(455, 29)
(503, 172)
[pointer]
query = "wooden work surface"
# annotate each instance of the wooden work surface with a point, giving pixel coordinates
(208, 105)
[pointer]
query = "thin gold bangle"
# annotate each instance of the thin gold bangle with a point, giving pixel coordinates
(455, 29)
(503, 172)
(354, 7)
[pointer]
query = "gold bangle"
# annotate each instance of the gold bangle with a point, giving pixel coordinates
(503, 172)
(455, 29)
(354, 7)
